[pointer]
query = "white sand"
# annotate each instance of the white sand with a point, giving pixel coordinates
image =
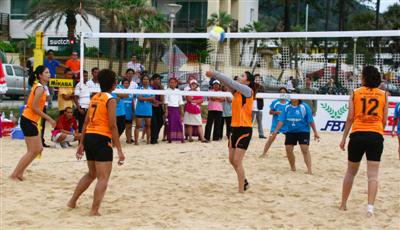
(192, 185)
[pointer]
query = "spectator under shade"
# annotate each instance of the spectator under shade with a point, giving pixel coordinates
(66, 130)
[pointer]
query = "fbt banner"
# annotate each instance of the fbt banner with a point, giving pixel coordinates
(330, 117)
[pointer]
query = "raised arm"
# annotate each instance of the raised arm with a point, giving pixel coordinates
(229, 82)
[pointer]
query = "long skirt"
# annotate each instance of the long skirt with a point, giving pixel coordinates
(174, 127)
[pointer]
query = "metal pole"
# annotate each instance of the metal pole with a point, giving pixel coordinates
(82, 54)
(171, 30)
(24, 74)
(354, 56)
(306, 28)
(306, 18)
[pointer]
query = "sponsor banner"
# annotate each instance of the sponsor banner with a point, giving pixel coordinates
(330, 117)
(64, 83)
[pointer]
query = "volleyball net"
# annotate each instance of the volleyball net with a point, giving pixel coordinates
(331, 61)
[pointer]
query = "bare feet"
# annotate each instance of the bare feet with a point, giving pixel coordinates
(370, 214)
(293, 169)
(94, 213)
(71, 204)
(309, 172)
(343, 207)
(264, 155)
(16, 178)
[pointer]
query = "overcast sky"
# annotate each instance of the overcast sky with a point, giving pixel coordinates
(385, 4)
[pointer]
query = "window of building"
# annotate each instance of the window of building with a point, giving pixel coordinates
(251, 15)
(19, 9)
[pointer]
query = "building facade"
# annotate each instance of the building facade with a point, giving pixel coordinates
(12, 17)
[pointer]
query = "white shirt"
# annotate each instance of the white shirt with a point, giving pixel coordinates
(47, 95)
(255, 108)
(289, 85)
(93, 86)
(137, 67)
(83, 92)
(173, 100)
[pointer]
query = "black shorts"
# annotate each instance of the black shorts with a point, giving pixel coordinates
(97, 147)
(140, 116)
(121, 124)
(128, 121)
(240, 137)
(302, 138)
(29, 128)
(370, 143)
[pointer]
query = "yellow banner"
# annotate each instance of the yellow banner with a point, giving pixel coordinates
(64, 83)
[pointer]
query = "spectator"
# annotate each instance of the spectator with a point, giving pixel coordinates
(133, 79)
(66, 95)
(308, 90)
(195, 132)
(120, 109)
(192, 117)
(135, 65)
(143, 109)
(73, 63)
(157, 118)
(52, 65)
(214, 114)
(289, 84)
(43, 125)
(258, 106)
(173, 105)
(82, 100)
(66, 130)
(129, 105)
(93, 84)
(226, 115)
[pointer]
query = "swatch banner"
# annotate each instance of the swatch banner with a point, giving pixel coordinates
(330, 117)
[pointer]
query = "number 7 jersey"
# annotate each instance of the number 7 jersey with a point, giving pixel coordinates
(98, 115)
(369, 105)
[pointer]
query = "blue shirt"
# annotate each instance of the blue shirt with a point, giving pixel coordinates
(297, 118)
(276, 105)
(120, 110)
(51, 65)
(144, 108)
(397, 116)
(128, 106)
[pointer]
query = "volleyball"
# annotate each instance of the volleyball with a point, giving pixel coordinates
(217, 34)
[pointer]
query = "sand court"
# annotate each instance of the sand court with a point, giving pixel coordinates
(192, 185)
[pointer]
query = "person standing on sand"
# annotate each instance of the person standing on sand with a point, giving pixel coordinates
(297, 119)
(99, 134)
(242, 125)
(30, 119)
(367, 116)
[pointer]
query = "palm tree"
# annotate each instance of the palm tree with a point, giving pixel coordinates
(256, 27)
(46, 12)
(121, 16)
(245, 29)
(286, 18)
(155, 24)
(224, 20)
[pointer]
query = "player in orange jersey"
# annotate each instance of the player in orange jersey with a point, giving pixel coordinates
(368, 109)
(30, 119)
(242, 122)
(99, 134)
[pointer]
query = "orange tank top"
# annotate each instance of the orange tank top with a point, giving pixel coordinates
(98, 115)
(241, 110)
(369, 105)
(28, 111)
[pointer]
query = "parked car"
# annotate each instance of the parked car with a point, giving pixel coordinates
(15, 76)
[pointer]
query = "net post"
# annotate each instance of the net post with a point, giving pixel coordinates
(82, 56)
